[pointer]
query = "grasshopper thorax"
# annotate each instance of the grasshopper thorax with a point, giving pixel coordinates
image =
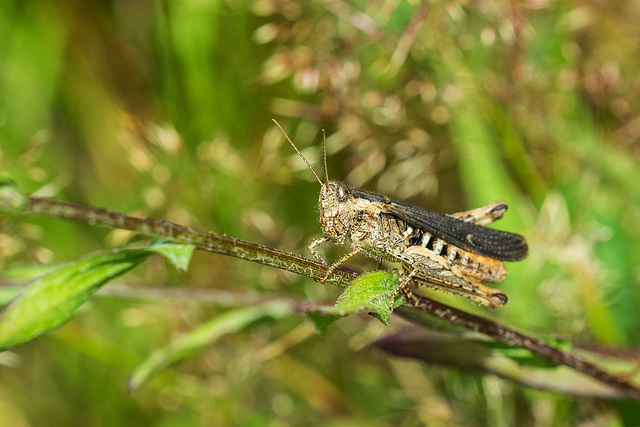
(335, 210)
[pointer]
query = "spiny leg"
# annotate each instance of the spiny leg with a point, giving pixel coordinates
(356, 249)
(444, 264)
(402, 288)
(411, 296)
(312, 248)
(432, 271)
(483, 215)
(474, 291)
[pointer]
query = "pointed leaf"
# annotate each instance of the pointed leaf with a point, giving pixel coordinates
(321, 321)
(370, 292)
(177, 253)
(52, 299)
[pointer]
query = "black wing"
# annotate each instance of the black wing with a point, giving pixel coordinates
(474, 238)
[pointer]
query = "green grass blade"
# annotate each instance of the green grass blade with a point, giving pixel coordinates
(204, 335)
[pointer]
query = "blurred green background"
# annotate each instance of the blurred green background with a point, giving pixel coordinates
(163, 109)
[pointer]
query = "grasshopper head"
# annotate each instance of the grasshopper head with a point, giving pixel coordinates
(335, 205)
(335, 211)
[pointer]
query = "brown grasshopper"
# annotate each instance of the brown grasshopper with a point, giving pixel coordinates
(452, 253)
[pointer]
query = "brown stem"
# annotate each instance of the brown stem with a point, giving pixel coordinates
(205, 240)
(517, 340)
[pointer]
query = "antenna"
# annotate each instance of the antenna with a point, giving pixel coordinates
(324, 156)
(300, 154)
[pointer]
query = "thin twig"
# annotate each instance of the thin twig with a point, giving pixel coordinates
(204, 296)
(205, 240)
(517, 340)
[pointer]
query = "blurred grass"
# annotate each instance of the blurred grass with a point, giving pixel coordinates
(163, 109)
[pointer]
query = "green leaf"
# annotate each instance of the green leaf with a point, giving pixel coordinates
(8, 294)
(370, 292)
(321, 321)
(202, 336)
(53, 299)
(177, 253)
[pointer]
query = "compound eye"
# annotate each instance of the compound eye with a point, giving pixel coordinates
(341, 194)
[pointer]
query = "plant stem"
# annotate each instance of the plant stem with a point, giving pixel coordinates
(205, 240)
(516, 340)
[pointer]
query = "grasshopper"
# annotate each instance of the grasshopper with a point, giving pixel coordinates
(453, 253)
